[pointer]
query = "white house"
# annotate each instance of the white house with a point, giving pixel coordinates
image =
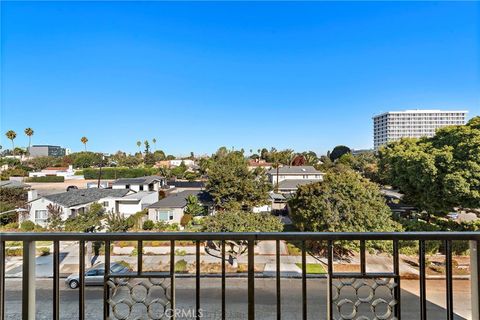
(66, 172)
(149, 183)
(122, 201)
(177, 162)
(172, 208)
(291, 177)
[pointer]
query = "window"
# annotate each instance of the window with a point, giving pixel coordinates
(141, 187)
(105, 204)
(127, 186)
(164, 215)
(41, 216)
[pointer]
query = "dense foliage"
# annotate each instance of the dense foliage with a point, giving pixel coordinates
(87, 221)
(338, 151)
(47, 179)
(233, 186)
(439, 173)
(343, 202)
(238, 221)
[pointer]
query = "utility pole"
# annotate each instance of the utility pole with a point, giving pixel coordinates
(100, 172)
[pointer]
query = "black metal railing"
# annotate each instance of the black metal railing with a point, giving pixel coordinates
(336, 280)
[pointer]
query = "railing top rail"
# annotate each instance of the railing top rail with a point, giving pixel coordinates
(202, 236)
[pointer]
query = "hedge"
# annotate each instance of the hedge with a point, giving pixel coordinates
(117, 173)
(47, 179)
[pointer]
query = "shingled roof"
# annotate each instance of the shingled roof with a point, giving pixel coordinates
(179, 200)
(83, 196)
(139, 180)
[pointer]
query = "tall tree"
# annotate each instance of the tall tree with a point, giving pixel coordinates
(339, 151)
(29, 134)
(147, 146)
(437, 174)
(154, 144)
(139, 144)
(232, 185)
(329, 206)
(84, 140)
(238, 221)
(11, 135)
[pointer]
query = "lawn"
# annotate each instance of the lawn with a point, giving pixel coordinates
(313, 268)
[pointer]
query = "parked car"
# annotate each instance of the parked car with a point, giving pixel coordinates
(69, 188)
(452, 215)
(95, 275)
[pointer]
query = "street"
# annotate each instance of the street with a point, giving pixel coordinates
(236, 299)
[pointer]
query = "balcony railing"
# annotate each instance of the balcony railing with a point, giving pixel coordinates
(390, 300)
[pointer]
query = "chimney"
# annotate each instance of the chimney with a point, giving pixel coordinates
(32, 195)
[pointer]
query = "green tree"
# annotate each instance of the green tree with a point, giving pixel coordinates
(29, 134)
(84, 140)
(87, 221)
(233, 186)
(147, 146)
(86, 159)
(339, 151)
(10, 134)
(436, 174)
(238, 221)
(139, 144)
(193, 206)
(54, 219)
(343, 202)
(154, 141)
(116, 222)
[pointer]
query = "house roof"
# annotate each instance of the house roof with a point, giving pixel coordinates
(293, 184)
(294, 170)
(187, 184)
(179, 199)
(56, 168)
(138, 195)
(139, 180)
(83, 196)
(13, 184)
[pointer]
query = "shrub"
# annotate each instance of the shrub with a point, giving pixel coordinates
(14, 251)
(44, 251)
(148, 225)
(47, 179)
(185, 220)
(11, 226)
(27, 225)
(181, 266)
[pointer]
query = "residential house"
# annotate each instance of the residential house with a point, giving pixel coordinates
(122, 201)
(259, 163)
(172, 208)
(66, 172)
(148, 183)
(291, 177)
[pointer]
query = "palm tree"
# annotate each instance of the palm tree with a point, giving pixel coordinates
(29, 133)
(154, 143)
(139, 143)
(84, 141)
(11, 135)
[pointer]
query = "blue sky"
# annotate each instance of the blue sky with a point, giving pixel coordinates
(200, 75)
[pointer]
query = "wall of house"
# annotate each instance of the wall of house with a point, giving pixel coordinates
(128, 208)
(273, 178)
(41, 204)
(177, 214)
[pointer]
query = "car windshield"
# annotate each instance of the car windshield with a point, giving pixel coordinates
(116, 267)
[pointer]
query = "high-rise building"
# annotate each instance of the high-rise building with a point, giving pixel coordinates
(393, 125)
(46, 151)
